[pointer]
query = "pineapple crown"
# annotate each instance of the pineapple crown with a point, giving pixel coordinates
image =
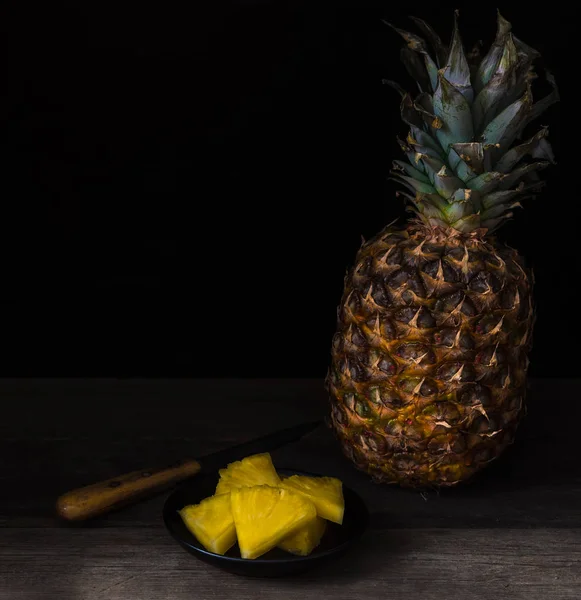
(463, 171)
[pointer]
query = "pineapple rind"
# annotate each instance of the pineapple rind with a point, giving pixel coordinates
(428, 373)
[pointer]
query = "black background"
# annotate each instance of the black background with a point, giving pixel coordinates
(183, 189)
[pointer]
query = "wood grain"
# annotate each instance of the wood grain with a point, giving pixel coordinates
(511, 533)
(101, 497)
(431, 564)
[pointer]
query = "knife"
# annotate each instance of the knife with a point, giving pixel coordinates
(99, 498)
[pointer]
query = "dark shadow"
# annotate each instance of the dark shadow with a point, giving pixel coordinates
(365, 559)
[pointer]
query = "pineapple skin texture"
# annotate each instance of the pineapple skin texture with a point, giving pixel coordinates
(428, 363)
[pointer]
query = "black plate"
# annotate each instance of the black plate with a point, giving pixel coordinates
(276, 563)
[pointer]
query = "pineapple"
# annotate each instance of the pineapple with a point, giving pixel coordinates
(326, 493)
(212, 523)
(252, 470)
(264, 516)
(306, 539)
(429, 359)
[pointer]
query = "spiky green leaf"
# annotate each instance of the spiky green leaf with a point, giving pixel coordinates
(537, 146)
(466, 195)
(407, 150)
(515, 176)
(425, 108)
(417, 59)
(501, 198)
(434, 200)
(413, 41)
(467, 224)
(421, 138)
(432, 71)
(419, 149)
(486, 182)
(408, 112)
(459, 195)
(525, 50)
(458, 210)
(463, 172)
(432, 165)
(488, 156)
(541, 106)
(457, 71)
(431, 212)
(423, 151)
(462, 169)
(410, 171)
(497, 211)
(491, 225)
(471, 153)
(544, 151)
(413, 184)
(416, 67)
(446, 183)
(395, 85)
(440, 50)
(490, 98)
(453, 111)
(490, 62)
(504, 128)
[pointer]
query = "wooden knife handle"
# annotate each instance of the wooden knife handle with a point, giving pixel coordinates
(99, 498)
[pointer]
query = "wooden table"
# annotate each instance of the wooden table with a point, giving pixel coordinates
(513, 533)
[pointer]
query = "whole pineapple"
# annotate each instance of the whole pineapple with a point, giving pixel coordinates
(429, 361)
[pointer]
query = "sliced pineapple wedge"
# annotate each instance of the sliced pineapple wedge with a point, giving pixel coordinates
(252, 470)
(304, 541)
(212, 523)
(264, 516)
(326, 493)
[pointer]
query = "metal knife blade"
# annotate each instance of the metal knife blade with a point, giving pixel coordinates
(266, 443)
(99, 498)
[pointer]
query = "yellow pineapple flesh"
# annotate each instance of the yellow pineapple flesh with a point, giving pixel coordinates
(212, 523)
(326, 493)
(304, 541)
(252, 470)
(265, 515)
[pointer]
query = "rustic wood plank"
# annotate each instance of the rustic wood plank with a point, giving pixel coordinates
(514, 532)
(513, 494)
(59, 434)
(431, 564)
